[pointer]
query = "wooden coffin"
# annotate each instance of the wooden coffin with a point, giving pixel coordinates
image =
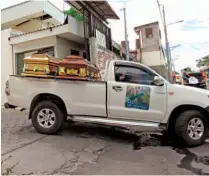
(41, 65)
(77, 67)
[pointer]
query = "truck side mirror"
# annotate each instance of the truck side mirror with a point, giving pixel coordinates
(158, 81)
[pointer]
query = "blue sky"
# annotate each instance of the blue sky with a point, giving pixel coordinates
(192, 34)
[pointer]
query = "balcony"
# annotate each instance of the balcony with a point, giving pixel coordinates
(20, 13)
(72, 31)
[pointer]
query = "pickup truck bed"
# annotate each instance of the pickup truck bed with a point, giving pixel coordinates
(77, 94)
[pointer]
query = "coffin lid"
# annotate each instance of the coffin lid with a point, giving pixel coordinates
(42, 57)
(76, 60)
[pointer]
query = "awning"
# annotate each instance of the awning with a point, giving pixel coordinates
(102, 8)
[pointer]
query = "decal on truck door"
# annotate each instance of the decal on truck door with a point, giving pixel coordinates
(137, 97)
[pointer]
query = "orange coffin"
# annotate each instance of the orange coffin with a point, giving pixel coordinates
(77, 67)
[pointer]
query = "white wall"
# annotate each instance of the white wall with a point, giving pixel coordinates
(35, 44)
(153, 58)
(63, 47)
(75, 26)
(39, 34)
(6, 62)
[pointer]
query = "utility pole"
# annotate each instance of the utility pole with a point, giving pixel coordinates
(168, 54)
(126, 35)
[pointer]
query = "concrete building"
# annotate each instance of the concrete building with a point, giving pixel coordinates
(38, 26)
(149, 50)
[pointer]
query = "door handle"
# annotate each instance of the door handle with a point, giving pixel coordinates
(117, 88)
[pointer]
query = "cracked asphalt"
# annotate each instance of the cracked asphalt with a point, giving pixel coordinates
(91, 149)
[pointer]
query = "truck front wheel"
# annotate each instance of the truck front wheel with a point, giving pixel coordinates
(47, 118)
(191, 127)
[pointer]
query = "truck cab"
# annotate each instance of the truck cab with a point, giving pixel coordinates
(132, 90)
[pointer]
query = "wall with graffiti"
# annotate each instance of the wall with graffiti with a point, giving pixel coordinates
(102, 56)
(137, 97)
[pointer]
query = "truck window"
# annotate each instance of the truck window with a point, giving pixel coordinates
(133, 75)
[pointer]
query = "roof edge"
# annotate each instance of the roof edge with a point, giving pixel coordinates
(43, 29)
(155, 22)
(15, 5)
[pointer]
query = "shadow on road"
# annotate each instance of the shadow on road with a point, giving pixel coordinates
(138, 140)
(119, 134)
(186, 162)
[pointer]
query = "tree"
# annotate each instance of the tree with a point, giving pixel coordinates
(204, 61)
(199, 63)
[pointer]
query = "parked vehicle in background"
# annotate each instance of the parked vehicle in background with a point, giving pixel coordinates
(194, 79)
(129, 94)
(177, 79)
(205, 73)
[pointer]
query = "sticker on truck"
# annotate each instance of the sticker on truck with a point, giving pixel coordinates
(137, 97)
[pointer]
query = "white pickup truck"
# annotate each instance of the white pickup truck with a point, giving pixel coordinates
(130, 94)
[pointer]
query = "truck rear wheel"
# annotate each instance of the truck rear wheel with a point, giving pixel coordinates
(47, 118)
(191, 127)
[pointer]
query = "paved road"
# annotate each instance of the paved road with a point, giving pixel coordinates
(91, 149)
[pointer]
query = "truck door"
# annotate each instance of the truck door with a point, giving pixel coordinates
(132, 94)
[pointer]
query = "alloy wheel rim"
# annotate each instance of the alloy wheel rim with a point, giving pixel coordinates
(195, 128)
(46, 118)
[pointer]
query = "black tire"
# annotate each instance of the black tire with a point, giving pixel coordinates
(181, 128)
(58, 122)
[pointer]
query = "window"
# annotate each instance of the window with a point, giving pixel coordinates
(74, 52)
(133, 75)
(149, 33)
(19, 63)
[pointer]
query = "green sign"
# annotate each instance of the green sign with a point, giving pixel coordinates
(72, 12)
